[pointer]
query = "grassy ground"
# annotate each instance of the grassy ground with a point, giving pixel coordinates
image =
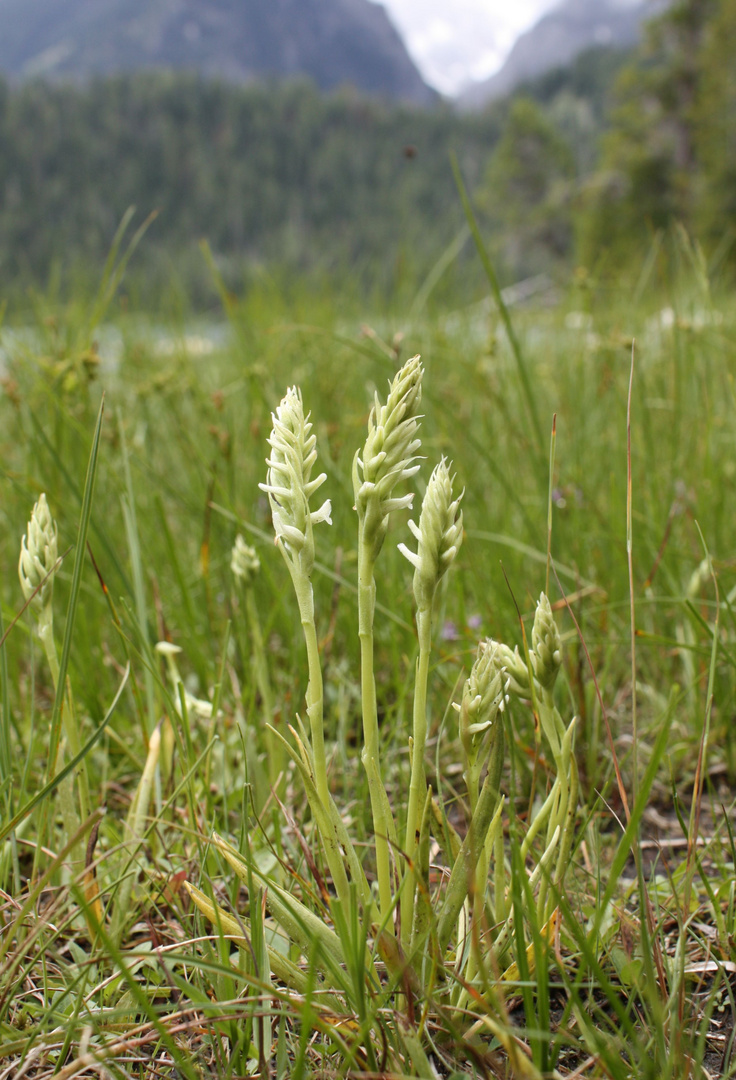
(626, 968)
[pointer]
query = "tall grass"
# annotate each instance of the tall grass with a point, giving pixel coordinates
(623, 967)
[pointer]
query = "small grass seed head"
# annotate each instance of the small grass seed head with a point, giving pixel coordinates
(389, 454)
(38, 555)
(546, 645)
(244, 561)
(439, 535)
(288, 484)
(485, 694)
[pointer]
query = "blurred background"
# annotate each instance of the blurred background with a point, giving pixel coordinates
(311, 140)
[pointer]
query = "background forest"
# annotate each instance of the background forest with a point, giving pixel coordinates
(581, 167)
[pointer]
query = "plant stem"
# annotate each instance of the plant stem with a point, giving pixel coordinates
(46, 635)
(314, 690)
(418, 783)
(464, 868)
(383, 824)
(314, 698)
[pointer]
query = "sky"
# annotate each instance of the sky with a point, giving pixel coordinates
(456, 42)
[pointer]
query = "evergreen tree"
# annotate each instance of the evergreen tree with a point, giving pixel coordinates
(661, 156)
(526, 193)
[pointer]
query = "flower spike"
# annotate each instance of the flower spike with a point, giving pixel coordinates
(38, 555)
(389, 455)
(288, 485)
(439, 536)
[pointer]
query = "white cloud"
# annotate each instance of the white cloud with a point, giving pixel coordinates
(455, 42)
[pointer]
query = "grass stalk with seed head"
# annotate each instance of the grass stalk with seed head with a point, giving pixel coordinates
(389, 457)
(438, 535)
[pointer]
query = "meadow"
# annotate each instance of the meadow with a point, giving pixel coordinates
(206, 868)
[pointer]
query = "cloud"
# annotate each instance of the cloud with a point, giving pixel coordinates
(455, 42)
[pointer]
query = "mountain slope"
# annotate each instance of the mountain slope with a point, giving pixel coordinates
(569, 29)
(330, 41)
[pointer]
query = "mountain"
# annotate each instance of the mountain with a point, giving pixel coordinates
(330, 41)
(560, 36)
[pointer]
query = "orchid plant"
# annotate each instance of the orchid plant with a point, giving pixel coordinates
(410, 930)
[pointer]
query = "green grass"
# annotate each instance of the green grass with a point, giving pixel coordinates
(633, 975)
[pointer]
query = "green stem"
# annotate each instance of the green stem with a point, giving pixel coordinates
(472, 782)
(499, 882)
(384, 829)
(475, 961)
(46, 635)
(418, 783)
(568, 830)
(314, 692)
(463, 871)
(314, 698)
(542, 816)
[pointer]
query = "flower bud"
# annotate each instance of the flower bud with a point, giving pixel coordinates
(288, 485)
(546, 645)
(244, 561)
(439, 536)
(38, 555)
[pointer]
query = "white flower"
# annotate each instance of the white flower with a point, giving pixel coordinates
(244, 561)
(288, 485)
(546, 644)
(38, 555)
(389, 455)
(485, 695)
(439, 536)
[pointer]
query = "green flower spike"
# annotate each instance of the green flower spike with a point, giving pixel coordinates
(289, 489)
(38, 561)
(546, 645)
(38, 556)
(485, 695)
(389, 456)
(439, 536)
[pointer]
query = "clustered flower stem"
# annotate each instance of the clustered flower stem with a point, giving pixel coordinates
(388, 457)
(289, 489)
(439, 535)
(424, 936)
(535, 678)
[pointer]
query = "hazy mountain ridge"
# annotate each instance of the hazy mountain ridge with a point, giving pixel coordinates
(560, 36)
(330, 41)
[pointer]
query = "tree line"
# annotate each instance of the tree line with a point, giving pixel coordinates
(268, 175)
(585, 165)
